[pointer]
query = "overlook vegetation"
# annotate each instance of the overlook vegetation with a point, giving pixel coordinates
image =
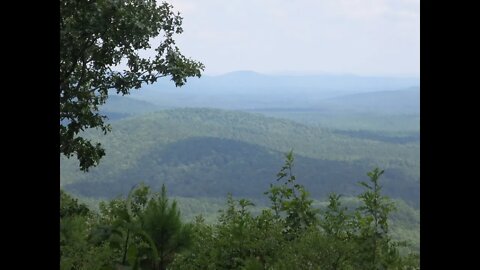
(222, 138)
(202, 154)
(146, 231)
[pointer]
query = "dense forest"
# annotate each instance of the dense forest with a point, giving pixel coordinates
(145, 230)
(195, 179)
(211, 152)
(201, 155)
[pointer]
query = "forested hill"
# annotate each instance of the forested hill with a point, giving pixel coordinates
(392, 112)
(119, 107)
(210, 152)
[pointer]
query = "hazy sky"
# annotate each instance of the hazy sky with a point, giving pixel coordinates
(363, 37)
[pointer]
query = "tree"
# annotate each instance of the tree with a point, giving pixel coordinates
(145, 229)
(162, 222)
(121, 226)
(292, 200)
(69, 206)
(338, 230)
(239, 240)
(96, 37)
(76, 251)
(376, 249)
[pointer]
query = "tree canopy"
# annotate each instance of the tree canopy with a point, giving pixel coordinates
(101, 43)
(146, 230)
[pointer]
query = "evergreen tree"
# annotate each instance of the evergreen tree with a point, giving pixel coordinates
(161, 221)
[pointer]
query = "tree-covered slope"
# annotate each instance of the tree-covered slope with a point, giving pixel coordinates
(119, 107)
(207, 152)
(391, 112)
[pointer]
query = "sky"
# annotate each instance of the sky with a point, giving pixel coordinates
(360, 37)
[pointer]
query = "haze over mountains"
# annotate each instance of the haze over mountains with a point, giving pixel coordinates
(339, 127)
(246, 90)
(344, 102)
(228, 134)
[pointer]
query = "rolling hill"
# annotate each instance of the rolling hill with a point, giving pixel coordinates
(210, 152)
(382, 105)
(393, 113)
(118, 107)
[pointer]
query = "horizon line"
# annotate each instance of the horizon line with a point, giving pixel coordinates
(311, 73)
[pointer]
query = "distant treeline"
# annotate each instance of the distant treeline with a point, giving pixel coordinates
(369, 135)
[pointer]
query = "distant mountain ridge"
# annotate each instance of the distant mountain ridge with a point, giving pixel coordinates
(250, 90)
(404, 101)
(391, 111)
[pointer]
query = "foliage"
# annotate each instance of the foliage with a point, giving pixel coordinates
(145, 231)
(76, 251)
(97, 37)
(162, 223)
(291, 199)
(238, 240)
(377, 249)
(337, 225)
(69, 206)
(201, 254)
(338, 238)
